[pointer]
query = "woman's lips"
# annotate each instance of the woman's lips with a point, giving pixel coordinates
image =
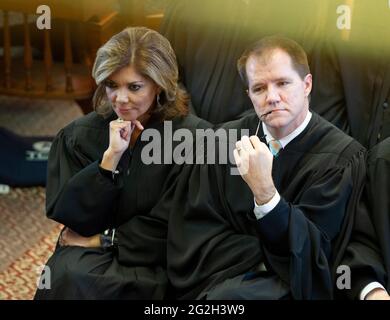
(124, 110)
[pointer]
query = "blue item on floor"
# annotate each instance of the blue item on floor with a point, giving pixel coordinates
(23, 160)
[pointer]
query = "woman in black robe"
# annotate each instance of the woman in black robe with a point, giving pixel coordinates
(100, 186)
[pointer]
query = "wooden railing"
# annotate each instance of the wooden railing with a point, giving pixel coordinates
(45, 77)
(40, 72)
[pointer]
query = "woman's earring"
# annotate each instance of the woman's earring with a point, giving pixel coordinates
(158, 101)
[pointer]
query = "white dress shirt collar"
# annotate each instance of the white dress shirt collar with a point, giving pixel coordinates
(286, 140)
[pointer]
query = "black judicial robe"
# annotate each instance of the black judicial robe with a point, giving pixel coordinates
(353, 91)
(351, 77)
(82, 197)
(209, 37)
(213, 234)
(368, 253)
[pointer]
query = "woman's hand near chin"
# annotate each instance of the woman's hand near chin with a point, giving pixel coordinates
(120, 135)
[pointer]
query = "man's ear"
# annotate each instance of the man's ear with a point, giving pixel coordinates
(308, 82)
(247, 92)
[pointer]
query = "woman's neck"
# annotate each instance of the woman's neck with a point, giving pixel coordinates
(144, 119)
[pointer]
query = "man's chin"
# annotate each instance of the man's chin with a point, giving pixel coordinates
(276, 123)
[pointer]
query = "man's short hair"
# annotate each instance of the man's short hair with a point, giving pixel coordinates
(268, 44)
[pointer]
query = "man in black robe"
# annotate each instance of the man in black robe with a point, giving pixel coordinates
(368, 254)
(276, 230)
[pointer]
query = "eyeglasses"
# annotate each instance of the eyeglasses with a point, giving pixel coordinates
(262, 138)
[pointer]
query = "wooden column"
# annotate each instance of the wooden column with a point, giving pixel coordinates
(48, 59)
(68, 59)
(27, 53)
(7, 52)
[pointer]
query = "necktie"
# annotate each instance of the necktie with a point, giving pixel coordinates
(274, 147)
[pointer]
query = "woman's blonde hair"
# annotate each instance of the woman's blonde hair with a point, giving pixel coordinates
(152, 56)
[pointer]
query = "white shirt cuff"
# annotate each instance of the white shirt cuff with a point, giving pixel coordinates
(368, 288)
(262, 210)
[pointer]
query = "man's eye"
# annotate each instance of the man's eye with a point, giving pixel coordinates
(134, 87)
(283, 83)
(258, 89)
(110, 84)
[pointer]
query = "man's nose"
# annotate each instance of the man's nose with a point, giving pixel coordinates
(121, 96)
(272, 95)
